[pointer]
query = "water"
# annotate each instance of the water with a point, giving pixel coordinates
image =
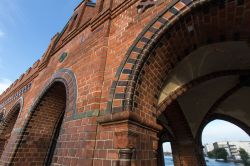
(168, 161)
(210, 162)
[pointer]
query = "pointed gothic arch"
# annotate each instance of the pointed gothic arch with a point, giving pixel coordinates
(42, 127)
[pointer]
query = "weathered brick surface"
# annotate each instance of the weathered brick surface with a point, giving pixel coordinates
(118, 57)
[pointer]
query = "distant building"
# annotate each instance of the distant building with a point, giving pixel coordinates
(225, 145)
(208, 148)
(233, 147)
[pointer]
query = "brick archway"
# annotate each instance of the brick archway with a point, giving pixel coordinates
(165, 28)
(183, 27)
(55, 103)
(8, 122)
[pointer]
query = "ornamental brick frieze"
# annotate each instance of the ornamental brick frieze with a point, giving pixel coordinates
(16, 95)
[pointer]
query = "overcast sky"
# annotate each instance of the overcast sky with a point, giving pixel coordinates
(26, 28)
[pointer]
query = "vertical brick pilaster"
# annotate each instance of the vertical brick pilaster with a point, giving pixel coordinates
(131, 142)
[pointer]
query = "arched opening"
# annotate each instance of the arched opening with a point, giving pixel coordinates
(165, 150)
(192, 95)
(168, 155)
(222, 142)
(7, 124)
(39, 139)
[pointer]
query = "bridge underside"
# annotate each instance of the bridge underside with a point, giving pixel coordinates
(92, 106)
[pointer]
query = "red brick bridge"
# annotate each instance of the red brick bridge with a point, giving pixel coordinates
(123, 77)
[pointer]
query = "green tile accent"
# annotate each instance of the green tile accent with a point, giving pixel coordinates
(86, 114)
(63, 57)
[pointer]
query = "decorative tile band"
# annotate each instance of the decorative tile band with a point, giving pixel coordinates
(16, 95)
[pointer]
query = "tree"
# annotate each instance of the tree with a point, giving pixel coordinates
(220, 153)
(210, 154)
(244, 156)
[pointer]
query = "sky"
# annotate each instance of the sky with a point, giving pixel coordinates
(26, 28)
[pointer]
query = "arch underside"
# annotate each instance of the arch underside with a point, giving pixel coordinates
(225, 91)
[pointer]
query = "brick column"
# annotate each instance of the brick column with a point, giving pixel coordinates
(186, 151)
(125, 156)
(128, 141)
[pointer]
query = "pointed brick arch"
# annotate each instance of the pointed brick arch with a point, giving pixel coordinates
(68, 78)
(63, 81)
(142, 53)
